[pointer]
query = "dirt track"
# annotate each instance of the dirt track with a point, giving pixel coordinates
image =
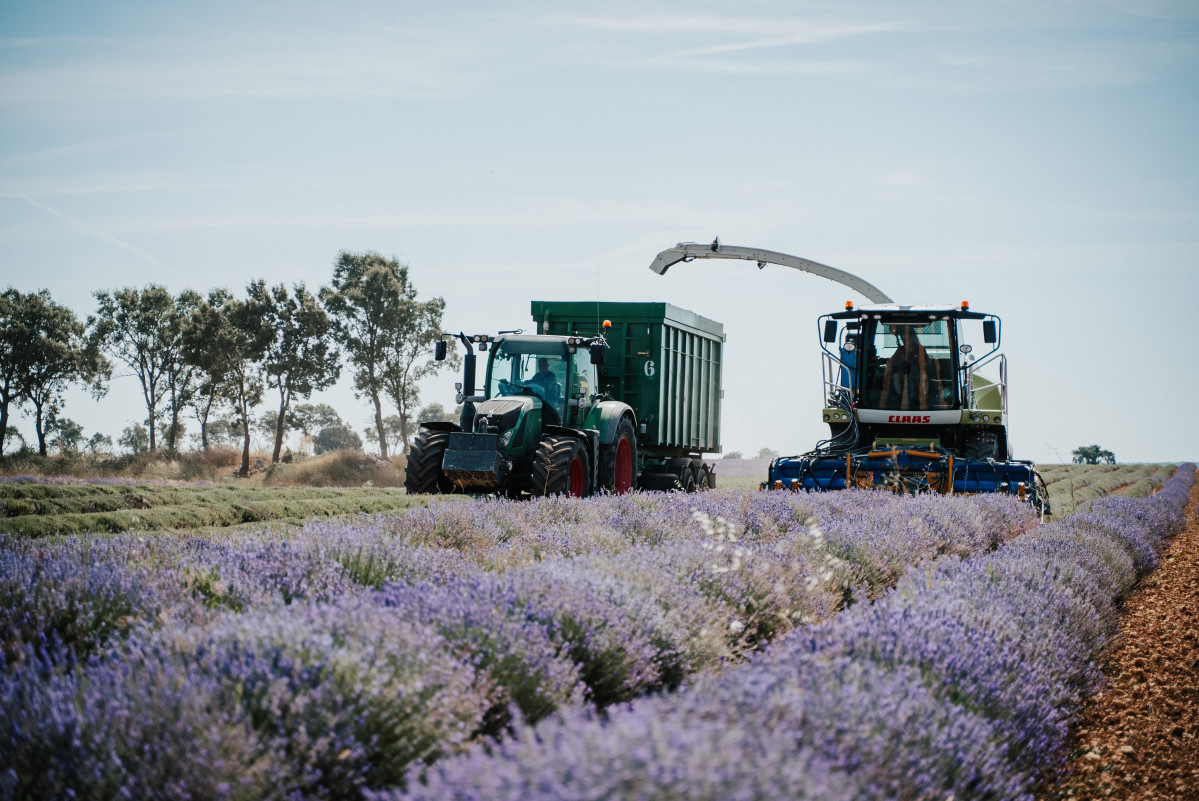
(1139, 737)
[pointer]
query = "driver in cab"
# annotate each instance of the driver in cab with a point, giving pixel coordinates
(544, 382)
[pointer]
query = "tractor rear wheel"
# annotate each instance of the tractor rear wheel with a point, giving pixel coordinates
(982, 445)
(422, 474)
(618, 461)
(561, 467)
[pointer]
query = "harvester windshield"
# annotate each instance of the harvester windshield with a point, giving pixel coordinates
(909, 366)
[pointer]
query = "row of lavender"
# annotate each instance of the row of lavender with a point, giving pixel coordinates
(312, 665)
(960, 683)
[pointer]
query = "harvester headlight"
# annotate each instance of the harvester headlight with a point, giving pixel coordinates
(849, 346)
(974, 416)
(986, 418)
(826, 418)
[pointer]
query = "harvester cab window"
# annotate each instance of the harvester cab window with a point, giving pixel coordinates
(910, 366)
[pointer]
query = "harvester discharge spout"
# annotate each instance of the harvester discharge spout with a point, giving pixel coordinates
(689, 251)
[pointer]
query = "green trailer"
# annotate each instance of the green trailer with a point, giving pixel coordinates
(603, 397)
(665, 363)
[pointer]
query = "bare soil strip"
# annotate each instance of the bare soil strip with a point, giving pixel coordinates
(1139, 737)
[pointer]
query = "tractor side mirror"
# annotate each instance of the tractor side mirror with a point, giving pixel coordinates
(439, 350)
(989, 333)
(596, 350)
(830, 330)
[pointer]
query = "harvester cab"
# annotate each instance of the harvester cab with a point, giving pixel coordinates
(909, 408)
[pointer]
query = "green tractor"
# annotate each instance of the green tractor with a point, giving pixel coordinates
(610, 397)
(538, 425)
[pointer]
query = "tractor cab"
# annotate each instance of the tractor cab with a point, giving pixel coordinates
(548, 368)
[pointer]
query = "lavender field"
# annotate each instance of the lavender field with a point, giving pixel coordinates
(730, 644)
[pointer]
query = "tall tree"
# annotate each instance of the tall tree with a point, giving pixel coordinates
(409, 359)
(143, 328)
(385, 330)
(181, 379)
(210, 382)
(300, 356)
(61, 353)
(227, 343)
(15, 351)
(369, 299)
(1093, 454)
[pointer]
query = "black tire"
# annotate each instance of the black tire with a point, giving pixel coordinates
(608, 458)
(687, 479)
(706, 479)
(981, 445)
(561, 467)
(422, 475)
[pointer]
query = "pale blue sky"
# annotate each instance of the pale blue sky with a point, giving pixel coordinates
(1035, 158)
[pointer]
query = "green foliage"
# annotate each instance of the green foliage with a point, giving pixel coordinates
(45, 349)
(227, 339)
(37, 510)
(135, 439)
(386, 331)
(336, 438)
(1093, 454)
(299, 357)
(144, 329)
(99, 443)
(66, 434)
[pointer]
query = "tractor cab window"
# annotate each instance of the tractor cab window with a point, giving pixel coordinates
(910, 366)
(529, 368)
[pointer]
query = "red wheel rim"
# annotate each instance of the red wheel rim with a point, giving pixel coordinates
(578, 477)
(624, 467)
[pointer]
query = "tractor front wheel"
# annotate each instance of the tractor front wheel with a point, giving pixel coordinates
(422, 474)
(561, 467)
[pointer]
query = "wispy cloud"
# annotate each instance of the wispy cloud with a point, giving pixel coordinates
(243, 66)
(91, 230)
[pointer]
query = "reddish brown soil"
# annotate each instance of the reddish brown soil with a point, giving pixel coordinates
(1139, 737)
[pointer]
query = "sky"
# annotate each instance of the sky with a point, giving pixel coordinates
(1038, 159)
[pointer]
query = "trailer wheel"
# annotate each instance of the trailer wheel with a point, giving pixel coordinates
(618, 461)
(707, 479)
(982, 445)
(422, 474)
(688, 479)
(560, 467)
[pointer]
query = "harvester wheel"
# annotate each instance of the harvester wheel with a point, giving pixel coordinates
(982, 445)
(423, 475)
(561, 467)
(618, 461)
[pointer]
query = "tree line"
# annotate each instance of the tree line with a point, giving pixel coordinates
(202, 354)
